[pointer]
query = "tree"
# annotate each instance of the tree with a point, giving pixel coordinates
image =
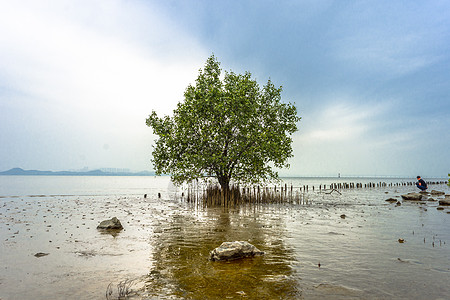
(230, 129)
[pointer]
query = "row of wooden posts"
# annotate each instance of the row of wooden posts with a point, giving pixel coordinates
(212, 195)
(344, 185)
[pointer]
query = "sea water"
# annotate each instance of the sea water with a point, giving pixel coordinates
(330, 246)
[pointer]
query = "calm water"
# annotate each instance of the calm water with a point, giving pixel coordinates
(166, 242)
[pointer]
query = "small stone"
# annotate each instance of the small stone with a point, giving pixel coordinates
(343, 216)
(113, 223)
(401, 241)
(40, 254)
(391, 200)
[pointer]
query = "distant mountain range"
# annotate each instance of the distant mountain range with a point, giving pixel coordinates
(19, 171)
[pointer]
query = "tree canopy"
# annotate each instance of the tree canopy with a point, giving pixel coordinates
(230, 129)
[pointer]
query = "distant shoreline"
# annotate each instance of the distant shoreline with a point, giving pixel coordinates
(22, 172)
(98, 172)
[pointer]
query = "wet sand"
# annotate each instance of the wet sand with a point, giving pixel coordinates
(333, 247)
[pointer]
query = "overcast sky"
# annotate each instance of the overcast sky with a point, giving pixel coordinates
(370, 79)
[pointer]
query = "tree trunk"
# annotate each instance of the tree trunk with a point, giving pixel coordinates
(224, 182)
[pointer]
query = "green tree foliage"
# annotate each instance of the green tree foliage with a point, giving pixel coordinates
(230, 129)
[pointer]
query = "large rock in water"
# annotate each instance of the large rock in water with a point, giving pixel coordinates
(412, 196)
(445, 201)
(437, 193)
(234, 250)
(113, 223)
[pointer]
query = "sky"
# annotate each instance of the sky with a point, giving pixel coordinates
(370, 79)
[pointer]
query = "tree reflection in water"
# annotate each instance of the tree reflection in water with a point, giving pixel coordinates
(182, 268)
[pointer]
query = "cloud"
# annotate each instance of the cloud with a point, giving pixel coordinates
(342, 119)
(338, 123)
(89, 70)
(354, 137)
(393, 39)
(64, 59)
(369, 79)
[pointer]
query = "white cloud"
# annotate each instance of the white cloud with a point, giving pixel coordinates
(394, 56)
(78, 75)
(341, 120)
(392, 39)
(64, 60)
(94, 70)
(345, 136)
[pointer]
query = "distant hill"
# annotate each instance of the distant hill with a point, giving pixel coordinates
(19, 171)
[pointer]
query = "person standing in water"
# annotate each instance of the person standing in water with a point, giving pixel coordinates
(421, 184)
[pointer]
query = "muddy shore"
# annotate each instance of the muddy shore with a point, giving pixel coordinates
(334, 247)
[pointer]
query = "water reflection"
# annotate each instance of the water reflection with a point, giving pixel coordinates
(182, 268)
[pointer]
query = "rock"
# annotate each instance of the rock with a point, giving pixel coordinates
(437, 193)
(343, 216)
(391, 200)
(113, 223)
(40, 254)
(412, 196)
(234, 250)
(439, 208)
(401, 241)
(445, 201)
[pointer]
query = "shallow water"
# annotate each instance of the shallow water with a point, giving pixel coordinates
(312, 251)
